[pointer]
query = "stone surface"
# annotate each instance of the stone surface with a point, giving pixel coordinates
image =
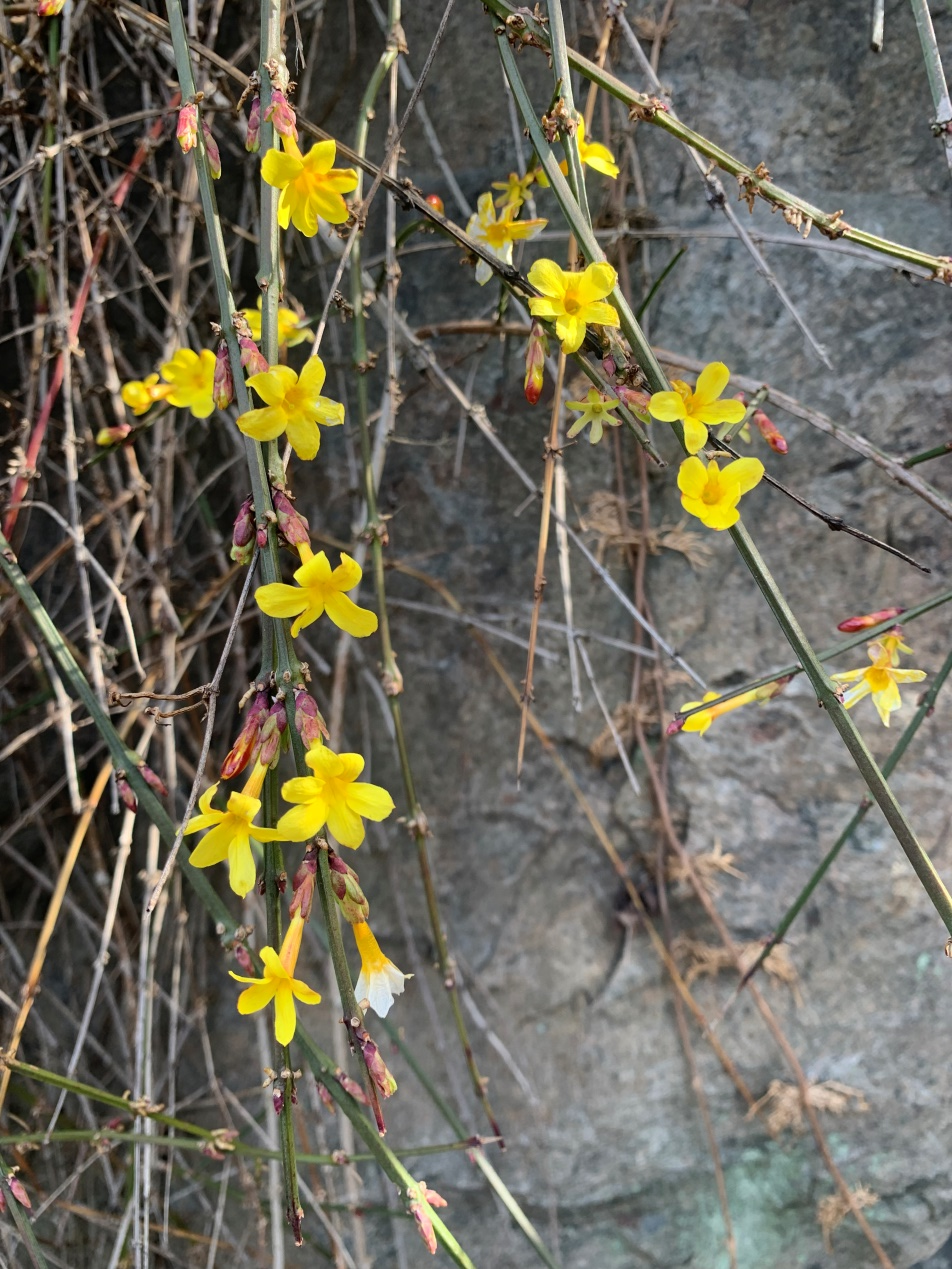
(572, 1017)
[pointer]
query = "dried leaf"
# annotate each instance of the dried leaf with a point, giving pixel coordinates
(833, 1210)
(783, 1108)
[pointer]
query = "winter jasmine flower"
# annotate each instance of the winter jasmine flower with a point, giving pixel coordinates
(711, 494)
(699, 409)
(231, 832)
(498, 235)
(293, 404)
(319, 589)
(332, 796)
(311, 187)
(192, 377)
(279, 984)
(379, 980)
(596, 410)
(880, 680)
(572, 300)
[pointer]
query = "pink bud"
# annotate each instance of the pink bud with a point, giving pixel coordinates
(293, 529)
(277, 1097)
(852, 624)
(152, 780)
(186, 130)
(272, 730)
(769, 431)
(636, 401)
(243, 536)
(252, 357)
(247, 740)
(49, 8)
(17, 1190)
(212, 152)
(675, 725)
(308, 719)
(223, 383)
(280, 115)
(326, 1098)
(253, 139)
(243, 957)
(385, 1084)
(352, 1087)
(126, 796)
(536, 350)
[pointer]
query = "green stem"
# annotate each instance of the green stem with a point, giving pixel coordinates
(925, 708)
(938, 451)
(563, 76)
(650, 110)
(22, 1220)
(828, 700)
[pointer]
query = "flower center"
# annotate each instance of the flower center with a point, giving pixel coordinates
(877, 678)
(712, 492)
(571, 303)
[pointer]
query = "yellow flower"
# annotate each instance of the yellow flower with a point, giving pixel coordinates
(711, 494)
(596, 410)
(497, 236)
(279, 984)
(192, 376)
(332, 795)
(231, 831)
(318, 590)
(141, 394)
(379, 980)
(699, 409)
(893, 644)
(515, 188)
(591, 153)
(293, 404)
(311, 186)
(573, 299)
(290, 330)
(702, 719)
(881, 679)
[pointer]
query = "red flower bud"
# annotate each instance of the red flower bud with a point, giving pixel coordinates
(280, 115)
(223, 383)
(252, 358)
(126, 796)
(17, 1190)
(113, 435)
(769, 431)
(152, 780)
(326, 1098)
(308, 719)
(636, 401)
(377, 1069)
(536, 350)
(49, 8)
(212, 152)
(243, 957)
(351, 1086)
(243, 533)
(186, 130)
(293, 529)
(253, 139)
(277, 1098)
(852, 624)
(272, 731)
(675, 725)
(247, 740)
(436, 203)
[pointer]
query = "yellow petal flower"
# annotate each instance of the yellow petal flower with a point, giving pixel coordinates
(319, 590)
(591, 154)
(573, 299)
(379, 980)
(881, 679)
(334, 796)
(596, 410)
(699, 409)
(141, 394)
(230, 833)
(311, 186)
(711, 494)
(290, 330)
(293, 404)
(192, 377)
(498, 235)
(279, 984)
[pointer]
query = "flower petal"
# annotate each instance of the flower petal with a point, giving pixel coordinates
(547, 277)
(256, 997)
(719, 411)
(596, 282)
(262, 425)
(307, 995)
(285, 1014)
(668, 407)
(302, 822)
(345, 824)
(279, 169)
(277, 599)
(745, 473)
(344, 613)
(304, 437)
(242, 871)
(692, 477)
(695, 435)
(370, 801)
(711, 382)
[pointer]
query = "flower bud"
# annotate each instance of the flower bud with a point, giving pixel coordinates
(212, 152)
(253, 139)
(436, 203)
(280, 115)
(769, 431)
(126, 796)
(261, 536)
(152, 780)
(852, 624)
(377, 1068)
(675, 725)
(243, 533)
(113, 435)
(308, 719)
(350, 1086)
(302, 885)
(49, 8)
(770, 690)
(536, 350)
(272, 731)
(636, 401)
(277, 1099)
(293, 529)
(223, 383)
(186, 130)
(243, 957)
(247, 741)
(326, 1099)
(252, 358)
(420, 1195)
(346, 886)
(18, 1191)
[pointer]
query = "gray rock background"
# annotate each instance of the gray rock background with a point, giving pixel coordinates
(607, 1152)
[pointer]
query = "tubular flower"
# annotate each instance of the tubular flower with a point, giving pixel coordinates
(318, 590)
(893, 644)
(311, 186)
(498, 235)
(881, 680)
(290, 331)
(515, 188)
(591, 153)
(279, 984)
(293, 404)
(699, 409)
(596, 410)
(141, 394)
(192, 379)
(231, 832)
(711, 494)
(573, 299)
(700, 721)
(332, 796)
(379, 980)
